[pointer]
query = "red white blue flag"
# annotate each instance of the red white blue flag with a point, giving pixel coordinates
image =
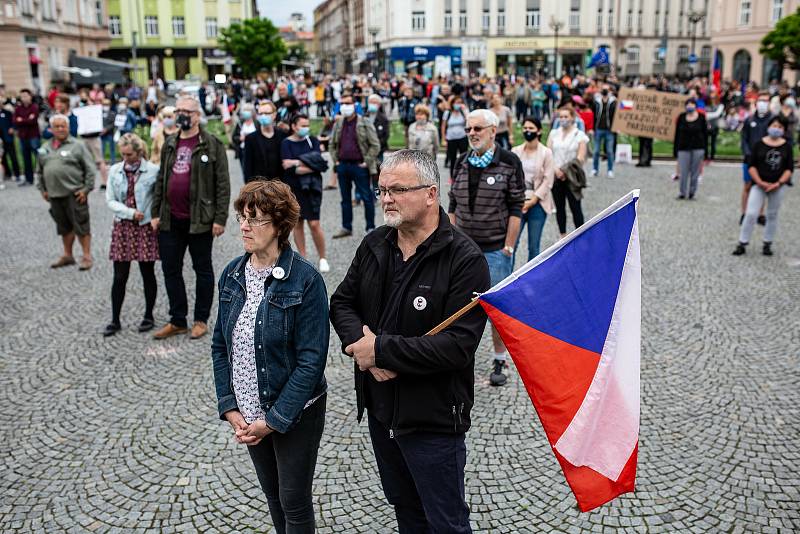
(571, 320)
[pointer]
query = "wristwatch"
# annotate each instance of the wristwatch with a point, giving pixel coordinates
(509, 249)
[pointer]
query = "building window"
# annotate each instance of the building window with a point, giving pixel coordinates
(235, 20)
(114, 26)
(610, 21)
(462, 20)
(599, 21)
(26, 7)
(485, 20)
(178, 26)
(744, 12)
(98, 10)
(151, 26)
(633, 55)
(418, 21)
(48, 9)
(629, 21)
(501, 22)
(574, 21)
(777, 10)
(211, 27)
(448, 22)
(533, 20)
(683, 53)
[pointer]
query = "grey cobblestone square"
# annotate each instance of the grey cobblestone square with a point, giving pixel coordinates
(121, 434)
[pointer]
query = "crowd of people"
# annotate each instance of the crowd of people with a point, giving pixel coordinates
(271, 336)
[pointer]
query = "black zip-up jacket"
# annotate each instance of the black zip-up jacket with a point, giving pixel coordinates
(434, 387)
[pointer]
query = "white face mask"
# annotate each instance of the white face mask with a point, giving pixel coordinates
(348, 110)
(762, 107)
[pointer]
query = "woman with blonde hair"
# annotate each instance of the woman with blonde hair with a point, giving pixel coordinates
(166, 128)
(130, 196)
(422, 133)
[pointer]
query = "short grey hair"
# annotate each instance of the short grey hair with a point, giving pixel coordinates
(488, 116)
(188, 97)
(425, 166)
(58, 117)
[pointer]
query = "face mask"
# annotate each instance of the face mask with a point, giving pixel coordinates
(775, 133)
(373, 108)
(303, 132)
(530, 136)
(790, 102)
(169, 123)
(690, 109)
(247, 115)
(265, 120)
(122, 109)
(457, 107)
(566, 123)
(106, 108)
(604, 92)
(762, 107)
(184, 122)
(348, 110)
(422, 121)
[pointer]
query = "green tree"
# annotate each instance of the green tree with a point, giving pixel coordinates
(297, 52)
(782, 44)
(255, 44)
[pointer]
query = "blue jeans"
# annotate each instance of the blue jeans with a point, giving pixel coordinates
(535, 219)
(500, 266)
(108, 141)
(349, 174)
(607, 137)
(29, 146)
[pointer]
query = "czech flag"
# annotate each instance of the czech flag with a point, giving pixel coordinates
(716, 74)
(571, 320)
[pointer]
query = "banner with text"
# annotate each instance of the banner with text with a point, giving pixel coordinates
(646, 113)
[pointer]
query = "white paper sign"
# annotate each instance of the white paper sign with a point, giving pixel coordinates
(90, 119)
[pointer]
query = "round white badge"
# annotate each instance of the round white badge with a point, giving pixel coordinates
(490, 180)
(204, 158)
(420, 303)
(64, 153)
(278, 273)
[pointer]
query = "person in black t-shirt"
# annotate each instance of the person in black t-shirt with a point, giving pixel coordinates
(262, 148)
(770, 166)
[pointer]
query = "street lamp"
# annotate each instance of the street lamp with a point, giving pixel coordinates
(694, 18)
(556, 26)
(374, 31)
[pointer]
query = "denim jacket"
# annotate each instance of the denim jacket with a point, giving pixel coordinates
(291, 338)
(117, 190)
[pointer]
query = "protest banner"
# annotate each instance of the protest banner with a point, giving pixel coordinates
(90, 119)
(646, 113)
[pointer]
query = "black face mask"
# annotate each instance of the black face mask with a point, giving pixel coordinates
(604, 92)
(530, 136)
(184, 122)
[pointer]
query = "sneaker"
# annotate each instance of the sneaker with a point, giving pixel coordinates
(594, 172)
(324, 266)
(762, 220)
(610, 174)
(767, 250)
(342, 233)
(498, 378)
(740, 250)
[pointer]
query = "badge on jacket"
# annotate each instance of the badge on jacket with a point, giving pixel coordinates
(204, 158)
(278, 273)
(490, 180)
(420, 303)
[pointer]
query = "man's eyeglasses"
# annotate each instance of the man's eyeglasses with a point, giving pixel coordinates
(476, 129)
(395, 191)
(185, 111)
(252, 221)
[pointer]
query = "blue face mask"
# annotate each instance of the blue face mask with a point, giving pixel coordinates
(775, 133)
(303, 132)
(690, 109)
(247, 115)
(373, 108)
(265, 120)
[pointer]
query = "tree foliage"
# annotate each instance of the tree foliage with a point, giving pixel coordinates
(782, 44)
(255, 44)
(297, 52)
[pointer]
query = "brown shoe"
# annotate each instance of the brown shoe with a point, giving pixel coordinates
(63, 261)
(199, 329)
(170, 330)
(85, 264)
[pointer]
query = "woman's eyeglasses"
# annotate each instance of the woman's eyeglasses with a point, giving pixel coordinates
(252, 221)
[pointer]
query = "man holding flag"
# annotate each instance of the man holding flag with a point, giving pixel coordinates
(418, 389)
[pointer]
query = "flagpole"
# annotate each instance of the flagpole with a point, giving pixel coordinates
(453, 318)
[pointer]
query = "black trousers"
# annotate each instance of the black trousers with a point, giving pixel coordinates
(645, 151)
(172, 247)
(10, 161)
(422, 475)
(455, 148)
(285, 467)
(121, 271)
(561, 195)
(713, 133)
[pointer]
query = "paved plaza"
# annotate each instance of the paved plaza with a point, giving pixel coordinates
(121, 434)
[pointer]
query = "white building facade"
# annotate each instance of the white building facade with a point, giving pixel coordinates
(519, 36)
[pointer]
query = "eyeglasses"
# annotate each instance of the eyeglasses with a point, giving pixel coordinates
(185, 111)
(395, 191)
(476, 129)
(252, 221)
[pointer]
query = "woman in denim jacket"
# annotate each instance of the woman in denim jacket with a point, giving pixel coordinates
(130, 196)
(269, 352)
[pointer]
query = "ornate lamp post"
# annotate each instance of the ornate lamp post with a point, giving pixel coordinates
(556, 26)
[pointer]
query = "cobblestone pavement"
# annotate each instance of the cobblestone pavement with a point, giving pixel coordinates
(121, 434)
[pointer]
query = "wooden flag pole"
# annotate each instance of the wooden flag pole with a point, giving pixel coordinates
(453, 318)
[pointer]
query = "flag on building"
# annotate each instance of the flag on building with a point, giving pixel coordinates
(716, 74)
(571, 320)
(599, 58)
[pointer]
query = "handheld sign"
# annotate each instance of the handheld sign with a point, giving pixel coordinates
(90, 119)
(647, 113)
